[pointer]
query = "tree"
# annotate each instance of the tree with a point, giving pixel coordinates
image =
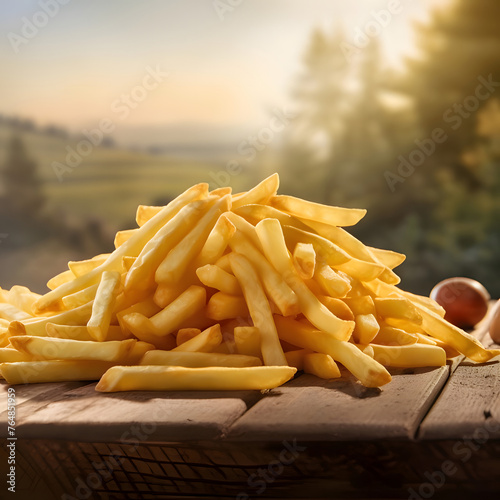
(22, 197)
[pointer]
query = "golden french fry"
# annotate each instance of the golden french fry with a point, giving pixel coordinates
(11, 355)
(215, 277)
(273, 242)
(185, 334)
(368, 371)
(223, 263)
(146, 307)
(260, 312)
(123, 236)
(198, 359)
(103, 305)
(145, 213)
(22, 298)
(60, 279)
(424, 301)
(36, 326)
(337, 307)
(274, 285)
(423, 338)
(177, 260)
(80, 267)
(409, 356)
(55, 348)
(223, 306)
(335, 216)
(115, 332)
(245, 228)
(388, 257)
(366, 328)
(321, 365)
(132, 247)
(326, 251)
(247, 340)
(80, 298)
(304, 259)
(137, 352)
(331, 281)
(254, 213)
(169, 319)
(13, 313)
(142, 274)
(388, 335)
(397, 307)
(360, 269)
(216, 242)
(31, 372)
(261, 193)
(296, 358)
(166, 293)
(360, 305)
(176, 378)
(206, 341)
(221, 191)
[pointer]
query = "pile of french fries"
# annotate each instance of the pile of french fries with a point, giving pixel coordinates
(219, 291)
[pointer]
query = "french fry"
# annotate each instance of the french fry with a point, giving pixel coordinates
(81, 267)
(331, 281)
(60, 279)
(296, 357)
(247, 340)
(103, 305)
(245, 228)
(80, 298)
(206, 341)
(222, 306)
(261, 193)
(254, 213)
(304, 259)
(395, 307)
(216, 242)
(274, 285)
(115, 332)
(177, 260)
(361, 305)
(334, 216)
(260, 311)
(142, 273)
(409, 356)
(137, 352)
(198, 359)
(54, 348)
(388, 257)
(273, 242)
(13, 313)
(337, 307)
(321, 365)
(368, 371)
(146, 307)
(123, 236)
(10, 355)
(22, 298)
(31, 372)
(366, 328)
(176, 378)
(388, 335)
(215, 277)
(145, 213)
(185, 334)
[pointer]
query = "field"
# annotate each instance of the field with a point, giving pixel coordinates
(110, 182)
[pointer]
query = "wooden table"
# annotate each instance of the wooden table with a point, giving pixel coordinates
(429, 433)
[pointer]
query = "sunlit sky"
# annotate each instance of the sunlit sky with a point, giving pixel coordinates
(222, 72)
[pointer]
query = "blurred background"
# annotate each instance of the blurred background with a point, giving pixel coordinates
(389, 105)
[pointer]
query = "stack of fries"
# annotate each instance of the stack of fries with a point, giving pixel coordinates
(227, 291)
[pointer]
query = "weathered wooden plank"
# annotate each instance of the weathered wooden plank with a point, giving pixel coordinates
(469, 406)
(312, 409)
(31, 397)
(85, 415)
